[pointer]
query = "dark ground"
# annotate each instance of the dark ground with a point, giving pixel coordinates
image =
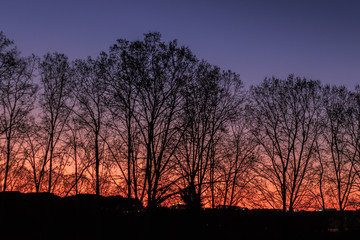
(44, 216)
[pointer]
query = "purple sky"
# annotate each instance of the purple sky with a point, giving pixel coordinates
(318, 39)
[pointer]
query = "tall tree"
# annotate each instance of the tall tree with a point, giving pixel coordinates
(18, 93)
(162, 71)
(55, 103)
(285, 117)
(90, 110)
(340, 155)
(211, 101)
(122, 76)
(353, 129)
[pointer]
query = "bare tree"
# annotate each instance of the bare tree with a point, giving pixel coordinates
(286, 124)
(78, 149)
(237, 158)
(33, 151)
(150, 121)
(18, 93)
(339, 153)
(122, 76)
(90, 110)
(320, 175)
(162, 71)
(210, 103)
(55, 103)
(353, 129)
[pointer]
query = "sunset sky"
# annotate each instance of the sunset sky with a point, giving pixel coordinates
(318, 39)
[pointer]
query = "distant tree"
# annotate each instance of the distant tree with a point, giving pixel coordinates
(55, 104)
(285, 118)
(17, 97)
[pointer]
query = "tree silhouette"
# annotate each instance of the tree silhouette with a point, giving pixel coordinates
(162, 71)
(339, 154)
(56, 105)
(353, 129)
(210, 103)
(122, 75)
(18, 95)
(236, 163)
(90, 110)
(286, 124)
(148, 120)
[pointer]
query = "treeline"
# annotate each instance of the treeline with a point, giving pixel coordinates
(150, 121)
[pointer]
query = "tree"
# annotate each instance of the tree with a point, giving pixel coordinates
(353, 129)
(122, 74)
(90, 110)
(339, 153)
(210, 102)
(162, 71)
(321, 174)
(33, 141)
(78, 148)
(236, 162)
(18, 93)
(285, 117)
(55, 103)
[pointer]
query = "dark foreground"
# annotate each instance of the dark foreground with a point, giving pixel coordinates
(44, 216)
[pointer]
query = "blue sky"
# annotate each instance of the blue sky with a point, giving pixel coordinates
(317, 39)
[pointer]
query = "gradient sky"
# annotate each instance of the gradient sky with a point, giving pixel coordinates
(317, 39)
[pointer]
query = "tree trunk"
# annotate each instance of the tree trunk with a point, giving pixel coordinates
(283, 192)
(97, 164)
(51, 163)
(76, 167)
(129, 161)
(149, 164)
(7, 168)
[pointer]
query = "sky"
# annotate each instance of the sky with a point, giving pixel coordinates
(316, 39)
